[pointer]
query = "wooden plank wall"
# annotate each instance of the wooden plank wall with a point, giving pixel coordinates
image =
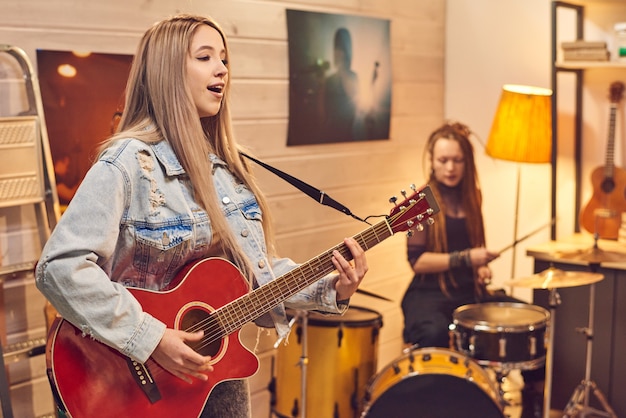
(361, 175)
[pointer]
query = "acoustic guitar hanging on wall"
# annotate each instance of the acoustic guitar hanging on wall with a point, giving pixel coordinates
(603, 213)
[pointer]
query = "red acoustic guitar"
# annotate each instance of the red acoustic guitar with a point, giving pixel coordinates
(91, 379)
(603, 213)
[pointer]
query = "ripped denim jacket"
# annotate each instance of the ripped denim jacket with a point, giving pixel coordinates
(134, 222)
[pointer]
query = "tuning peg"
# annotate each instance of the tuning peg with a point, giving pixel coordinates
(403, 192)
(412, 187)
(393, 200)
(418, 227)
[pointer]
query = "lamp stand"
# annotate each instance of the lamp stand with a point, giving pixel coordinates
(514, 247)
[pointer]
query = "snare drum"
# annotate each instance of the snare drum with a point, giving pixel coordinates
(434, 383)
(342, 353)
(502, 334)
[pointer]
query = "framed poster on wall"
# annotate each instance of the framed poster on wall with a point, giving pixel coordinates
(82, 94)
(339, 78)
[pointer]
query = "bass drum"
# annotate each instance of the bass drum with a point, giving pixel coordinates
(341, 352)
(432, 383)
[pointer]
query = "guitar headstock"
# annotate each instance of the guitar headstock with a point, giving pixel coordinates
(616, 91)
(414, 210)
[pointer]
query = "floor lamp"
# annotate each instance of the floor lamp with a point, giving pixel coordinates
(521, 132)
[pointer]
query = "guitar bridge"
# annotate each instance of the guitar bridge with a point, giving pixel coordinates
(144, 380)
(605, 213)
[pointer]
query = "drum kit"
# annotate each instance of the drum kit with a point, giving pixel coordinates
(496, 336)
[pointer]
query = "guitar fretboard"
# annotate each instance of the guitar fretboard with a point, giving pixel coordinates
(609, 165)
(250, 306)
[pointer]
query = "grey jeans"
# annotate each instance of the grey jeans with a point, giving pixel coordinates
(229, 399)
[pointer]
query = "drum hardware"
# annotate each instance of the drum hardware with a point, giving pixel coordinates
(271, 387)
(554, 302)
(501, 376)
(302, 363)
(578, 405)
(409, 348)
(552, 279)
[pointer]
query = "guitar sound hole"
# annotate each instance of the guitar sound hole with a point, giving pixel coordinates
(197, 319)
(608, 185)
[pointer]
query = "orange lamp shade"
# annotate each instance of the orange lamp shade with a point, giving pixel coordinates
(522, 127)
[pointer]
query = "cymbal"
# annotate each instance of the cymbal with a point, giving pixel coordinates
(593, 255)
(553, 278)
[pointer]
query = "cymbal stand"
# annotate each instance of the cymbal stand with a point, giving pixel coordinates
(304, 362)
(578, 404)
(554, 301)
(500, 375)
(304, 359)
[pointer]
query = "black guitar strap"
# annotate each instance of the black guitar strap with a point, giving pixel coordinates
(320, 197)
(312, 192)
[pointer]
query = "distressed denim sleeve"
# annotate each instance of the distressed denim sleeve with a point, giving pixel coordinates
(320, 296)
(73, 269)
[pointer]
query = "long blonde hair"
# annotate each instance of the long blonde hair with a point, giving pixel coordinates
(158, 106)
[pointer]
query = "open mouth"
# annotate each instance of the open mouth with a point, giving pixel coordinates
(216, 89)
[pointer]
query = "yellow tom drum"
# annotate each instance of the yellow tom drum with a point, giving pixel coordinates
(342, 353)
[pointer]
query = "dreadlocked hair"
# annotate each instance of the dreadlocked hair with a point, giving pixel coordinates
(471, 197)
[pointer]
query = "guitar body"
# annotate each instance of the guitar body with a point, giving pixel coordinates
(94, 380)
(602, 216)
(603, 212)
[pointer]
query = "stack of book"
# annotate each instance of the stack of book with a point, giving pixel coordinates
(585, 51)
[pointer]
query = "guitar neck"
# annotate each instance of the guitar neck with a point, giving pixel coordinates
(609, 166)
(252, 305)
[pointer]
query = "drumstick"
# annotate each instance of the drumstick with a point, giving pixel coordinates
(374, 295)
(526, 236)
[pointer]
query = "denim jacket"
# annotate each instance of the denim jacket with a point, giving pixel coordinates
(134, 222)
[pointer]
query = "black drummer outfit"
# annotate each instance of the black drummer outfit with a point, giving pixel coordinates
(428, 312)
